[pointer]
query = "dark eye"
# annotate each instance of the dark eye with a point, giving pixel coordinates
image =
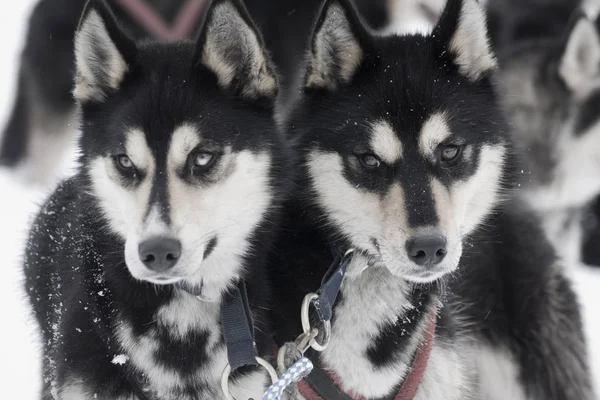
(369, 161)
(124, 162)
(450, 153)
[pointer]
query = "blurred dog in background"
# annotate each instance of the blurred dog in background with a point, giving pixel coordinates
(549, 85)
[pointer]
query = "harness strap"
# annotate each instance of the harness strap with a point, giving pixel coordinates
(183, 25)
(322, 384)
(238, 328)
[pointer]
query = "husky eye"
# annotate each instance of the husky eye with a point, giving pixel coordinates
(369, 161)
(450, 153)
(124, 162)
(203, 159)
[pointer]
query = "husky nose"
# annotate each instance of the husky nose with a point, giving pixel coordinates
(159, 253)
(426, 250)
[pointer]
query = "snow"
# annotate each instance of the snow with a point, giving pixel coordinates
(19, 348)
(121, 359)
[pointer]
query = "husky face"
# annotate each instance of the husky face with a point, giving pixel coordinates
(403, 144)
(551, 93)
(179, 144)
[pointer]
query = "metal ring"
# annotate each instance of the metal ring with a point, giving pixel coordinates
(304, 318)
(227, 371)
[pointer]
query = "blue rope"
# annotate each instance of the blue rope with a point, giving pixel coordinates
(296, 372)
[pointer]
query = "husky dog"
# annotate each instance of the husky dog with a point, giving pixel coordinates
(43, 119)
(404, 158)
(177, 193)
(550, 91)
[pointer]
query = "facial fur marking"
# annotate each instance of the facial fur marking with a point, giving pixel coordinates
(138, 150)
(385, 143)
(155, 224)
(185, 139)
(124, 207)
(434, 131)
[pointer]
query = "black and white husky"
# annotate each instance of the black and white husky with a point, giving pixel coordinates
(178, 187)
(404, 157)
(549, 82)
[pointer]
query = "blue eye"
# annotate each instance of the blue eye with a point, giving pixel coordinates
(124, 162)
(203, 159)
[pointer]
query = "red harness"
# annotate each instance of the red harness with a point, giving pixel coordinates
(183, 25)
(411, 382)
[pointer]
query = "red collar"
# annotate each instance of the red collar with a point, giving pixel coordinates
(411, 382)
(183, 25)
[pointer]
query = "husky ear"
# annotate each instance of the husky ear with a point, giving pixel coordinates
(580, 60)
(103, 53)
(230, 46)
(462, 32)
(337, 46)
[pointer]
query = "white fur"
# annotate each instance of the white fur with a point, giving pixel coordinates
(475, 198)
(371, 300)
(434, 131)
(232, 48)
(93, 35)
(470, 43)
(580, 63)
(448, 375)
(123, 208)
(385, 142)
(498, 374)
(75, 389)
(335, 51)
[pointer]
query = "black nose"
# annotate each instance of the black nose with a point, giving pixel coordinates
(160, 253)
(426, 250)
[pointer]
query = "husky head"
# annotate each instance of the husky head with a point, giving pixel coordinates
(551, 94)
(402, 142)
(178, 143)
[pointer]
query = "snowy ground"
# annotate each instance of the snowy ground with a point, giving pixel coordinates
(19, 361)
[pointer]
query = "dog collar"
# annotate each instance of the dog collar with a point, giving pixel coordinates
(323, 384)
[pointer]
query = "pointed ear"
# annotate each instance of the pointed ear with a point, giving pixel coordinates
(103, 53)
(580, 59)
(462, 32)
(230, 46)
(337, 46)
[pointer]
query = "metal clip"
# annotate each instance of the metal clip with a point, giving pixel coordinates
(227, 371)
(304, 317)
